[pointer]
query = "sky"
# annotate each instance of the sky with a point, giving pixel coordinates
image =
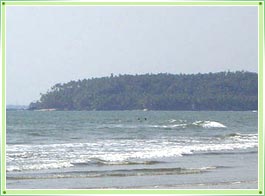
(49, 45)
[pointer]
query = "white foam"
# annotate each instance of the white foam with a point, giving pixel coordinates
(171, 126)
(51, 156)
(12, 168)
(55, 165)
(209, 124)
(245, 138)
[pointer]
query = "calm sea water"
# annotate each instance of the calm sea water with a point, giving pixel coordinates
(131, 149)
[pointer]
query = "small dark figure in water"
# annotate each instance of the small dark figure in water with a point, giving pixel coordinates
(140, 119)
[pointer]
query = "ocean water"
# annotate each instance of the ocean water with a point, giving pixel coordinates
(132, 149)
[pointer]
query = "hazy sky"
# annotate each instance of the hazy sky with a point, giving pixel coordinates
(48, 45)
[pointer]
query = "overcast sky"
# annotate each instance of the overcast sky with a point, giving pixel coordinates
(48, 45)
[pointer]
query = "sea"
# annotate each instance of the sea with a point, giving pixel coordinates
(132, 149)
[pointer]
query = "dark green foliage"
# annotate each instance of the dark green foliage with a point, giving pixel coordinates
(212, 91)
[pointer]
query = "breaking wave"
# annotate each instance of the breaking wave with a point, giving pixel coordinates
(183, 124)
(121, 152)
(119, 173)
(170, 124)
(209, 124)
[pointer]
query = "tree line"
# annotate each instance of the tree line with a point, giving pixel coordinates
(211, 91)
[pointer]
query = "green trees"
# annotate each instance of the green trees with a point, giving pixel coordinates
(212, 91)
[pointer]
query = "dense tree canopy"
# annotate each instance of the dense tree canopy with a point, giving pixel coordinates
(211, 91)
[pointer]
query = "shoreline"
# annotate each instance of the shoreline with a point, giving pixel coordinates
(214, 185)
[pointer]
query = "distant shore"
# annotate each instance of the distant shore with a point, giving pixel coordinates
(222, 91)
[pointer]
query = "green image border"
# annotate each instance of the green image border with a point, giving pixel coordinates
(259, 191)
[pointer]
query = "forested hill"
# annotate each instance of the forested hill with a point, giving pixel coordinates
(211, 91)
